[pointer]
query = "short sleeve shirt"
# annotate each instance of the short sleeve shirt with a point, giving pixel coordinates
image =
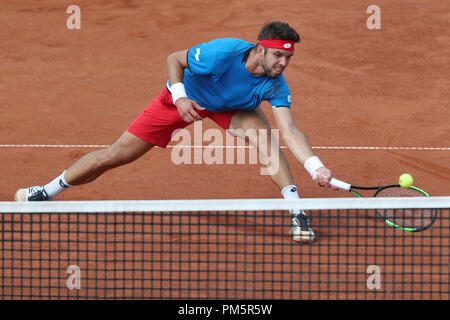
(217, 79)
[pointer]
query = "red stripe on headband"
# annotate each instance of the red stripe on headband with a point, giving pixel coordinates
(278, 44)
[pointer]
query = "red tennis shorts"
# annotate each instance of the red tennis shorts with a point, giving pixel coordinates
(161, 118)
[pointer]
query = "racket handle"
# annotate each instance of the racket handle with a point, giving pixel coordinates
(340, 184)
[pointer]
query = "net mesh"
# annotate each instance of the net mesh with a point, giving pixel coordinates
(219, 250)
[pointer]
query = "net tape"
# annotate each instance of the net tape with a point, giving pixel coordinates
(226, 205)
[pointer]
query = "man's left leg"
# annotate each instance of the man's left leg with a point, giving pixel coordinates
(254, 128)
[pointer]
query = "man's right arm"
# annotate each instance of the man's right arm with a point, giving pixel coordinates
(298, 144)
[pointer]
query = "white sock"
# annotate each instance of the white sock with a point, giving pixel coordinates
(57, 186)
(290, 192)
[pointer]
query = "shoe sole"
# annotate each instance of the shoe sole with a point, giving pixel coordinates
(21, 195)
(303, 236)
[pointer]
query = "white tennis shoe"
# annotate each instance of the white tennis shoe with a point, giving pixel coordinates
(35, 193)
(301, 228)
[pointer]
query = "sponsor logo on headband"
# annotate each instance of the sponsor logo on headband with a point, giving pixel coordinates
(277, 44)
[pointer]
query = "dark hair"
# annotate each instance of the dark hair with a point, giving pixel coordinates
(278, 30)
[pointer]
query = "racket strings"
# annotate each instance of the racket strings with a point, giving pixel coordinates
(416, 218)
(399, 192)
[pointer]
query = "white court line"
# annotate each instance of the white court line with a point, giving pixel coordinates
(53, 146)
(96, 146)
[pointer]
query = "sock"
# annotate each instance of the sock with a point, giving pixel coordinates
(290, 192)
(57, 186)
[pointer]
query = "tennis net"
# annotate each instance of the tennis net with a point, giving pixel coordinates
(220, 249)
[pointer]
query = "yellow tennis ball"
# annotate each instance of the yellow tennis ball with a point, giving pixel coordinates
(405, 180)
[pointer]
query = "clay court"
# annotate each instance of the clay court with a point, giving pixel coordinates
(373, 103)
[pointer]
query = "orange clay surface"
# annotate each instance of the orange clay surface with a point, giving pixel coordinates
(352, 87)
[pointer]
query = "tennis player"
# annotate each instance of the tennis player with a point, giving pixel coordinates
(225, 80)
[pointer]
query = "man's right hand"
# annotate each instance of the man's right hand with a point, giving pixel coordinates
(186, 107)
(323, 177)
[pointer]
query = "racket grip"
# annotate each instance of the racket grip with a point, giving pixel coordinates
(340, 184)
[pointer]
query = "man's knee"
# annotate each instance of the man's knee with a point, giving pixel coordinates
(114, 156)
(125, 150)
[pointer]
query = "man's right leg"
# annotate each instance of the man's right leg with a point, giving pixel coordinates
(88, 168)
(125, 150)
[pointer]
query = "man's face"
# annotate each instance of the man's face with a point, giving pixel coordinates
(274, 61)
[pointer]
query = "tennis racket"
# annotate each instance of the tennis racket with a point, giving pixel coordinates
(411, 220)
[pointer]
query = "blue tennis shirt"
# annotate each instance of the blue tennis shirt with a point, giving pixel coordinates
(218, 80)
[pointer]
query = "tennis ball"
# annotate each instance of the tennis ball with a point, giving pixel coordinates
(405, 180)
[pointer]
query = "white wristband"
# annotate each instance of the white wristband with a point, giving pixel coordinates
(312, 165)
(178, 91)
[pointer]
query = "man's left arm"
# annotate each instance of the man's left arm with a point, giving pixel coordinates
(298, 144)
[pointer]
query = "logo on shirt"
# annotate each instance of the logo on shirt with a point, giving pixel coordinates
(289, 98)
(197, 54)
